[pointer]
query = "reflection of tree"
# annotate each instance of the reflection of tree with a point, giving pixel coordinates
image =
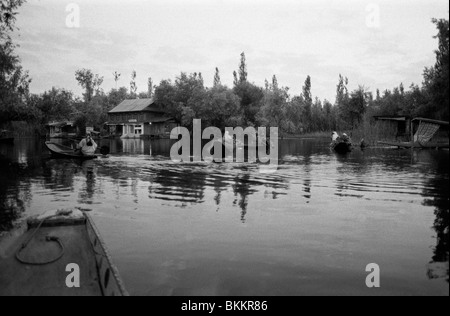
(15, 193)
(89, 170)
(246, 183)
(185, 185)
(438, 187)
(59, 173)
(242, 188)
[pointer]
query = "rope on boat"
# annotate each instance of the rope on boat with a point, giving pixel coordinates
(47, 239)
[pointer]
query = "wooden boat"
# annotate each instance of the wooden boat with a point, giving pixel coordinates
(341, 146)
(59, 151)
(34, 258)
(415, 145)
(425, 137)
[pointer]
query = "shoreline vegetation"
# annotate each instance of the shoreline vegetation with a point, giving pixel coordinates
(245, 104)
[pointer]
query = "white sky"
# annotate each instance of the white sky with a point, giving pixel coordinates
(292, 39)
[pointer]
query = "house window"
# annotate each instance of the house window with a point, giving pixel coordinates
(138, 129)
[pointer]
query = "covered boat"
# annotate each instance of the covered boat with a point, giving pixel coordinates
(34, 258)
(430, 134)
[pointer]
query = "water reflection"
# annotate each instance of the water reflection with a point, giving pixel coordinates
(332, 196)
(436, 195)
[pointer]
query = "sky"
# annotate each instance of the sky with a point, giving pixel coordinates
(378, 44)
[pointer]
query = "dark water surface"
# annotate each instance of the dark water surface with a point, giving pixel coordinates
(225, 229)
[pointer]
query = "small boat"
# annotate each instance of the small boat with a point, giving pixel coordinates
(341, 146)
(60, 151)
(36, 258)
(6, 137)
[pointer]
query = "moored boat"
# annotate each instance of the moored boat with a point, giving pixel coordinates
(415, 145)
(35, 258)
(60, 151)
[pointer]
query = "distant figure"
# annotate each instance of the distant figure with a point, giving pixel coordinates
(363, 144)
(335, 136)
(87, 145)
(346, 138)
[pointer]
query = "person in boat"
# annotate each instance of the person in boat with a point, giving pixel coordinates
(334, 136)
(87, 146)
(346, 138)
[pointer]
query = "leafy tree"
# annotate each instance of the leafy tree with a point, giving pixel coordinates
(436, 78)
(274, 106)
(251, 97)
(150, 88)
(133, 85)
(90, 82)
(56, 105)
(235, 79)
(173, 97)
(243, 69)
(14, 81)
(217, 81)
(307, 97)
(116, 77)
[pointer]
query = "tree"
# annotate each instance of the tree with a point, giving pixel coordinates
(274, 82)
(307, 97)
(274, 106)
(150, 88)
(116, 96)
(14, 81)
(217, 81)
(174, 97)
(116, 77)
(90, 82)
(436, 78)
(243, 69)
(55, 105)
(342, 99)
(354, 110)
(235, 79)
(133, 85)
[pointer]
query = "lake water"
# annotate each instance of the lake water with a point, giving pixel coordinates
(311, 228)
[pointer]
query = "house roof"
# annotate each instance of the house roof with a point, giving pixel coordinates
(160, 119)
(421, 119)
(136, 105)
(60, 124)
(391, 118)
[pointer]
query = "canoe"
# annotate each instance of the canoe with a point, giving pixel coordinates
(415, 145)
(54, 241)
(341, 147)
(59, 151)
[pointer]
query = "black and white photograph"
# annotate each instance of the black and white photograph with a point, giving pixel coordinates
(222, 154)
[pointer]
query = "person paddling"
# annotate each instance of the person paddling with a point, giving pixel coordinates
(87, 146)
